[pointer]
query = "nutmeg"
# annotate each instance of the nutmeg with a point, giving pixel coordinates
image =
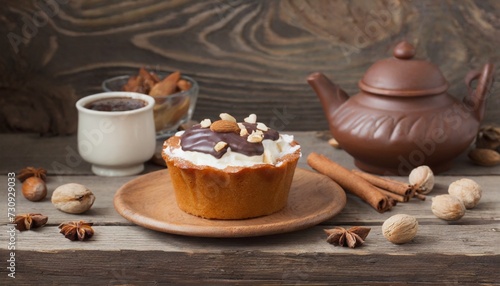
(34, 189)
(73, 198)
(423, 178)
(447, 207)
(400, 228)
(467, 190)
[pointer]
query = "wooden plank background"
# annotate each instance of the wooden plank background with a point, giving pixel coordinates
(248, 56)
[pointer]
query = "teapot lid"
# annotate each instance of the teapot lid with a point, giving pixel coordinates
(403, 75)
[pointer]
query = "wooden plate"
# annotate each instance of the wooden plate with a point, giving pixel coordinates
(149, 201)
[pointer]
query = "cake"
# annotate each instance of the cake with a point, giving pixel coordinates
(231, 170)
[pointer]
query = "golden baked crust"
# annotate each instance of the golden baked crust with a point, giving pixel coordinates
(232, 193)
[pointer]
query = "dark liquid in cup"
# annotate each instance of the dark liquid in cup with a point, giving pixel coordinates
(116, 104)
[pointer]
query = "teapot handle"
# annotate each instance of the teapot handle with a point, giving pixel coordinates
(475, 101)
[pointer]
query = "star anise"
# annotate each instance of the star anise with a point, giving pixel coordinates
(77, 230)
(32, 172)
(352, 237)
(28, 221)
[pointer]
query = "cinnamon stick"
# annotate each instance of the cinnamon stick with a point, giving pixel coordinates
(392, 202)
(390, 185)
(351, 182)
(420, 196)
(394, 196)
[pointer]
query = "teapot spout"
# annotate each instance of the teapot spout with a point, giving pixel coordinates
(475, 101)
(330, 95)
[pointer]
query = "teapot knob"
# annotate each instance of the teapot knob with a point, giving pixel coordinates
(404, 51)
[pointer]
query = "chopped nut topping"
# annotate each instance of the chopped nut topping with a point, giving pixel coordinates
(243, 129)
(228, 117)
(252, 118)
(205, 123)
(262, 126)
(220, 145)
(255, 137)
(243, 132)
(225, 126)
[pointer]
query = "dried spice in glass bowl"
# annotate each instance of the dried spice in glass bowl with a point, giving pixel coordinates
(175, 96)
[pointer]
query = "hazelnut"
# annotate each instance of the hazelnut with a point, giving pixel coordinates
(73, 198)
(34, 189)
(447, 207)
(466, 190)
(400, 228)
(423, 178)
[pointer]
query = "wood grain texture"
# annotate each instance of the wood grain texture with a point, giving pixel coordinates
(122, 253)
(134, 256)
(253, 56)
(126, 268)
(59, 155)
(150, 201)
(103, 213)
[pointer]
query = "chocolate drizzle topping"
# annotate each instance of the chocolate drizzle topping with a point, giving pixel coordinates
(199, 139)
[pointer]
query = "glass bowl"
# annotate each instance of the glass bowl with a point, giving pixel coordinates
(170, 111)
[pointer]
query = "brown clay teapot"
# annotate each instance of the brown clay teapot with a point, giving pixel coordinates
(403, 116)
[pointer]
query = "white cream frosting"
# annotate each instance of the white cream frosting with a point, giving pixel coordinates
(272, 149)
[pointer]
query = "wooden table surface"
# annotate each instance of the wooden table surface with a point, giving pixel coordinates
(121, 253)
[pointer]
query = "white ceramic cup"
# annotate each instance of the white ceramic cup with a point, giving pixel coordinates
(116, 143)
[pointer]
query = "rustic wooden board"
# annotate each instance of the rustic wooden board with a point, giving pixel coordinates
(248, 56)
(59, 155)
(436, 239)
(162, 268)
(103, 213)
(121, 253)
(439, 254)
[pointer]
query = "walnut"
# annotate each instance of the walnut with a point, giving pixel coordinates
(400, 228)
(466, 190)
(73, 198)
(447, 207)
(423, 178)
